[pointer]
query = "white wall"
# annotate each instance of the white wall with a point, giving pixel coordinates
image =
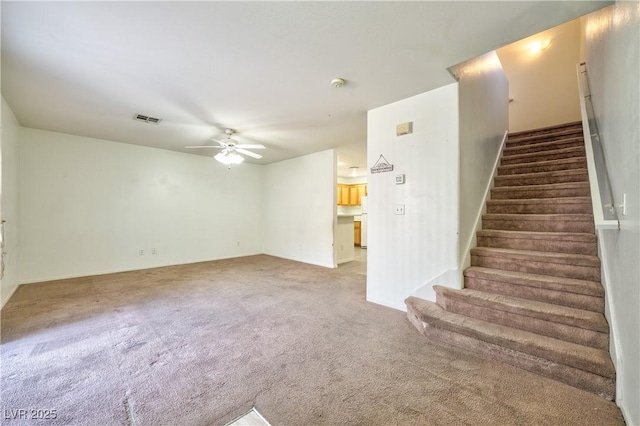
(88, 206)
(345, 240)
(406, 251)
(10, 152)
(543, 85)
(484, 118)
(299, 197)
(611, 46)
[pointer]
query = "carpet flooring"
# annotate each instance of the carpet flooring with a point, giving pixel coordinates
(201, 344)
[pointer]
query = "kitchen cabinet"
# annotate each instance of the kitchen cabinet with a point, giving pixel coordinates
(357, 233)
(351, 195)
(354, 200)
(343, 197)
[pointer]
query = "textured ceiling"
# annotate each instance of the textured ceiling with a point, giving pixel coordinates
(263, 68)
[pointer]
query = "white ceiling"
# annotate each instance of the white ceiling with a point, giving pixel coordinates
(263, 68)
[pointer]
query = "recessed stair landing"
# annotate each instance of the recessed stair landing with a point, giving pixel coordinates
(532, 295)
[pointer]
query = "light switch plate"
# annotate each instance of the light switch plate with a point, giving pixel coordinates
(399, 209)
(399, 179)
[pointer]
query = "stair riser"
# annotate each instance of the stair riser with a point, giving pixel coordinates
(564, 298)
(529, 244)
(550, 328)
(506, 193)
(543, 156)
(539, 225)
(590, 382)
(580, 272)
(571, 164)
(515, 180)
(539, 208)
(516, 148)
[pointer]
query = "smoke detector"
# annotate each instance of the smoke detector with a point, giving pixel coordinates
(338, 82)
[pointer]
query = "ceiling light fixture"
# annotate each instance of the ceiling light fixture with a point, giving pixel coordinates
(228, 157)
(338, 82)
(539, 46)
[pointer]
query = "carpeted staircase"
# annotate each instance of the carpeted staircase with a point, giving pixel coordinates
(532, 295)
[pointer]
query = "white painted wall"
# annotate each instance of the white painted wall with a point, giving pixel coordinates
(299, 199)
(10, 152)
(345, 240)
(87, 206)
(611, 46)
(543, 85)
(406, 251)
(484, 118)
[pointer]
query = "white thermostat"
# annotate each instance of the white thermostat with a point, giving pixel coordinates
(399, 179)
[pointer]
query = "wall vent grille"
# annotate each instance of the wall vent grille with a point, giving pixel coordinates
(147, 119)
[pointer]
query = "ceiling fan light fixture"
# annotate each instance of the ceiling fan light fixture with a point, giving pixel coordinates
(228, 158)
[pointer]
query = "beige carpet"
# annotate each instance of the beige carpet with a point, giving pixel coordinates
(201, 344)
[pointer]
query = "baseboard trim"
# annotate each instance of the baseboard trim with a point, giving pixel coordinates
(402, 307)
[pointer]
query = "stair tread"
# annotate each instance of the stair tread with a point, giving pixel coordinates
(516, 145)
(571, 285)
(559, 200)
(577, 149)
(534, 235)
(576, 159)
(553, 173)
(543, 186)
(568, 217)
(578, 356)
(530, 308)
(564, 134)
(546, 129)
(527, 255)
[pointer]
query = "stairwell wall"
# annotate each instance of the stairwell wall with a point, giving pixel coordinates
(405, 251)
(484, 119)
(10, 153)
(611, 50)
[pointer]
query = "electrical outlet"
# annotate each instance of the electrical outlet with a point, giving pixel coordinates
(141, 252)
(399, 209)
(154, 251)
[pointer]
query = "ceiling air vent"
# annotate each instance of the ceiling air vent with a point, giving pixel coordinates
(147, 119)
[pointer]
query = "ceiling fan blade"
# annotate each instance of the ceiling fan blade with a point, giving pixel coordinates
(250, 146)
(249, 153)
(204, 146)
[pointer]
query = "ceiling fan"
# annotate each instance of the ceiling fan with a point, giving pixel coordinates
(231, 149)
